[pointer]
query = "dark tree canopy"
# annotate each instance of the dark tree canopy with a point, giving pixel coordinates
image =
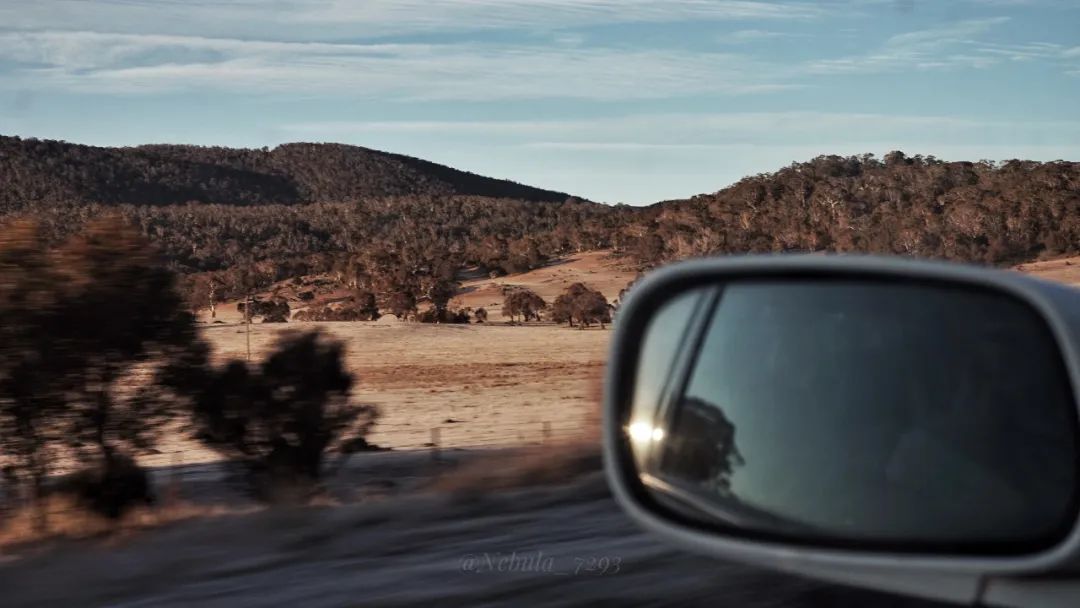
(481, 315)
(583, 304)
(998, 213)
(82, 322)
(279, 418)
(522, 302)
(56, 171)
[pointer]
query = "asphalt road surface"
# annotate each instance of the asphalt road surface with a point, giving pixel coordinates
(553, 546)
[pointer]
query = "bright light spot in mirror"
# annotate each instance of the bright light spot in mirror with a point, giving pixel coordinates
(643, 431)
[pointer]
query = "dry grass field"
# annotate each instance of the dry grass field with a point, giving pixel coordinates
(480, 385)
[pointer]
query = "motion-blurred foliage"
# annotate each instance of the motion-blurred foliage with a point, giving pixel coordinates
(99, 355)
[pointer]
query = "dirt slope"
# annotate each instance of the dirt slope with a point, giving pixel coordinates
(597, 269)
(1064, 270)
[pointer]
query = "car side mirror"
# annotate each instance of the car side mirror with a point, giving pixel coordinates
(907, 426)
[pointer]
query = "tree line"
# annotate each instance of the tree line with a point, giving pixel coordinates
(578, 302)
(391, 226)
(55, 171)
(985, 212)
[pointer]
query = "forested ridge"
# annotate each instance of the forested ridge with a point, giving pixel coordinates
(44, 171)
(392, 223)
(996, 213)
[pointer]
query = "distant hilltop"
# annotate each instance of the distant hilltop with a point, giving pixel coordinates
(45, 170)
(252, 218)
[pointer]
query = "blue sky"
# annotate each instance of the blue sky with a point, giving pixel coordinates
(616, 100)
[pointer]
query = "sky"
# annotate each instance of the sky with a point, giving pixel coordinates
(630, 101)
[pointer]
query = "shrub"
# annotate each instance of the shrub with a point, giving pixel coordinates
(275, 310)
(356, 308)
(434, 315)
(81, 321)
(109, 489)
(278, 420)
(402, 304)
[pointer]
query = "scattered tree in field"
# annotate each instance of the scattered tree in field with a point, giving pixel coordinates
(625, 291)
(481, 315)
(202, 291)
(449, 315)
(439, 294)
(361, 306)
(523, 302)
(211, 297)
(562, 311)
(278, 420)
(582, 303)
(275, 310)
(350, 310)
(364, 303)
(592, 307)
(402, 304)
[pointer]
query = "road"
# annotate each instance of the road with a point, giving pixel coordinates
(549, 546)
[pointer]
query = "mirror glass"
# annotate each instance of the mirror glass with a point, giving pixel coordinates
(857, 410)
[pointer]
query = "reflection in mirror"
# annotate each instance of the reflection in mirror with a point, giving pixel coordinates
(665, 336)
(701, 448)
(891, 412)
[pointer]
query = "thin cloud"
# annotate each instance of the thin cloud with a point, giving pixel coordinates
(329, 19)
(932, 48)
(688, 131)
(440, 15)
(1032, 51)
(750, 36)
(133, 64)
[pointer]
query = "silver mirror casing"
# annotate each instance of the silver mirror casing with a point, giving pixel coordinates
(960, 578)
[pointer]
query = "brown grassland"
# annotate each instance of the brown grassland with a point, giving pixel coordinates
(480, 385)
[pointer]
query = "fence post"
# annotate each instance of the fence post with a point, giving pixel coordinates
(173, 492)
(247, 322)
(435, 437)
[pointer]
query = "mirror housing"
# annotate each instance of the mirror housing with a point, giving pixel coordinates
(969, 576)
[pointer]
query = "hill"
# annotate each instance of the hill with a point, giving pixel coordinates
(43, 171)
(389, 224)
(996, 213)
(600, 270)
